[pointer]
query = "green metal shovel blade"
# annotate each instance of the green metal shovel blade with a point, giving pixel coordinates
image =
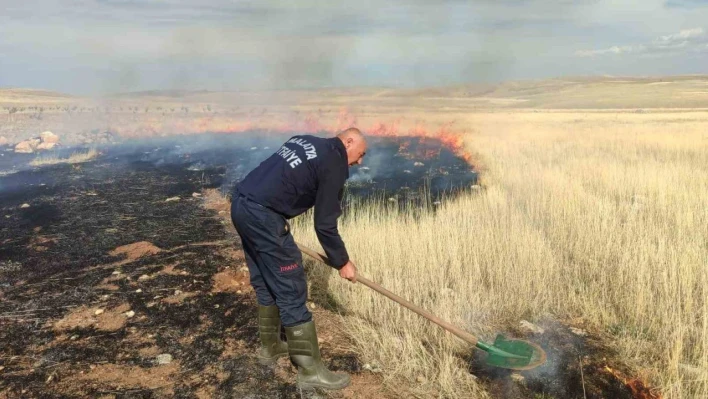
(513, 354)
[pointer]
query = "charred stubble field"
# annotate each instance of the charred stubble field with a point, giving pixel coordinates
(115, 262)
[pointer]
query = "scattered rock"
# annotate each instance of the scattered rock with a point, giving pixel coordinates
(579, 332)
(129, 313)
(178, 292)
(24, 206)
(374, 368)
(164, 358)
(421, 379)
(418, 164)
(518, 378)
(116, 272)
(171, 199)
(407, 171)
(139, 290)
(98, 312)
(49, 137)
(311, 305)
(243, 269)
(27, 146)
(74, 337)
(239, 292)
(143, 277)
(530, 327)
(45, 146)
(196, 195)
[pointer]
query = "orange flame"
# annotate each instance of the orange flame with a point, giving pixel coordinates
(639, 389)
(311, 123)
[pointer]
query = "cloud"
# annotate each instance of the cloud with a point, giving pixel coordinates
(685, 41)
(95, 45)
(686, 3)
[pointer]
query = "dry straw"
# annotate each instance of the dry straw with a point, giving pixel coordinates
(594, 216)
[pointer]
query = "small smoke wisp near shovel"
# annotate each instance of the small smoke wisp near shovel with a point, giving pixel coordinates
(505, 353)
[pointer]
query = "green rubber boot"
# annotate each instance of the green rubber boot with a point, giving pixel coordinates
(305, 353)
(272, 347)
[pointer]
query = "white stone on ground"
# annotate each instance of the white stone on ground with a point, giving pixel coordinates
(530, 327)
(164, 358)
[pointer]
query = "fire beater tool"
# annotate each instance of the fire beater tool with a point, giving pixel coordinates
(505, 353)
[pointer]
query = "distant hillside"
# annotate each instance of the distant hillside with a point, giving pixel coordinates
(565, 93)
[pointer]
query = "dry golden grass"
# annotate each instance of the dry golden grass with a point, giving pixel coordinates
(76, 157)
(599, 217)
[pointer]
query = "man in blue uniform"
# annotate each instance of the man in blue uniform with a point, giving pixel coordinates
(306, 171)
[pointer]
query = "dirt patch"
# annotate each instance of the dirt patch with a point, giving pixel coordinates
(121, 377)
(108, 287)
(233, 347)
(149, 351)
(170, 270)
(368, 385)
(41, 243)
(135, 250)
(232, 281)
(178, 297)
(84, 317)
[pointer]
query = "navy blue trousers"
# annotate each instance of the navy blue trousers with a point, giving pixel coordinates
(274, 261)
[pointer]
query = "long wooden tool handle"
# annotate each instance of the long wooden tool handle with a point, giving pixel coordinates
(464, 335)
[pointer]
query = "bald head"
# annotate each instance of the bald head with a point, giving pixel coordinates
(355, 143)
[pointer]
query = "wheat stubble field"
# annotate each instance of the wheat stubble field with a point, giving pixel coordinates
(596, 217)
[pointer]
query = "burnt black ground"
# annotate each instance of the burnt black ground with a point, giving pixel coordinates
(403, 168)
(87, 210)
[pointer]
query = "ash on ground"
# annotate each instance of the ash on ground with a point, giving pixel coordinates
(109, 290)
(579, 364)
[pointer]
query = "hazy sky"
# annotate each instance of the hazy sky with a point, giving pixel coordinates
(98, 46)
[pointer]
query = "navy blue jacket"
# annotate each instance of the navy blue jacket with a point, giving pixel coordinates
(306, 171)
